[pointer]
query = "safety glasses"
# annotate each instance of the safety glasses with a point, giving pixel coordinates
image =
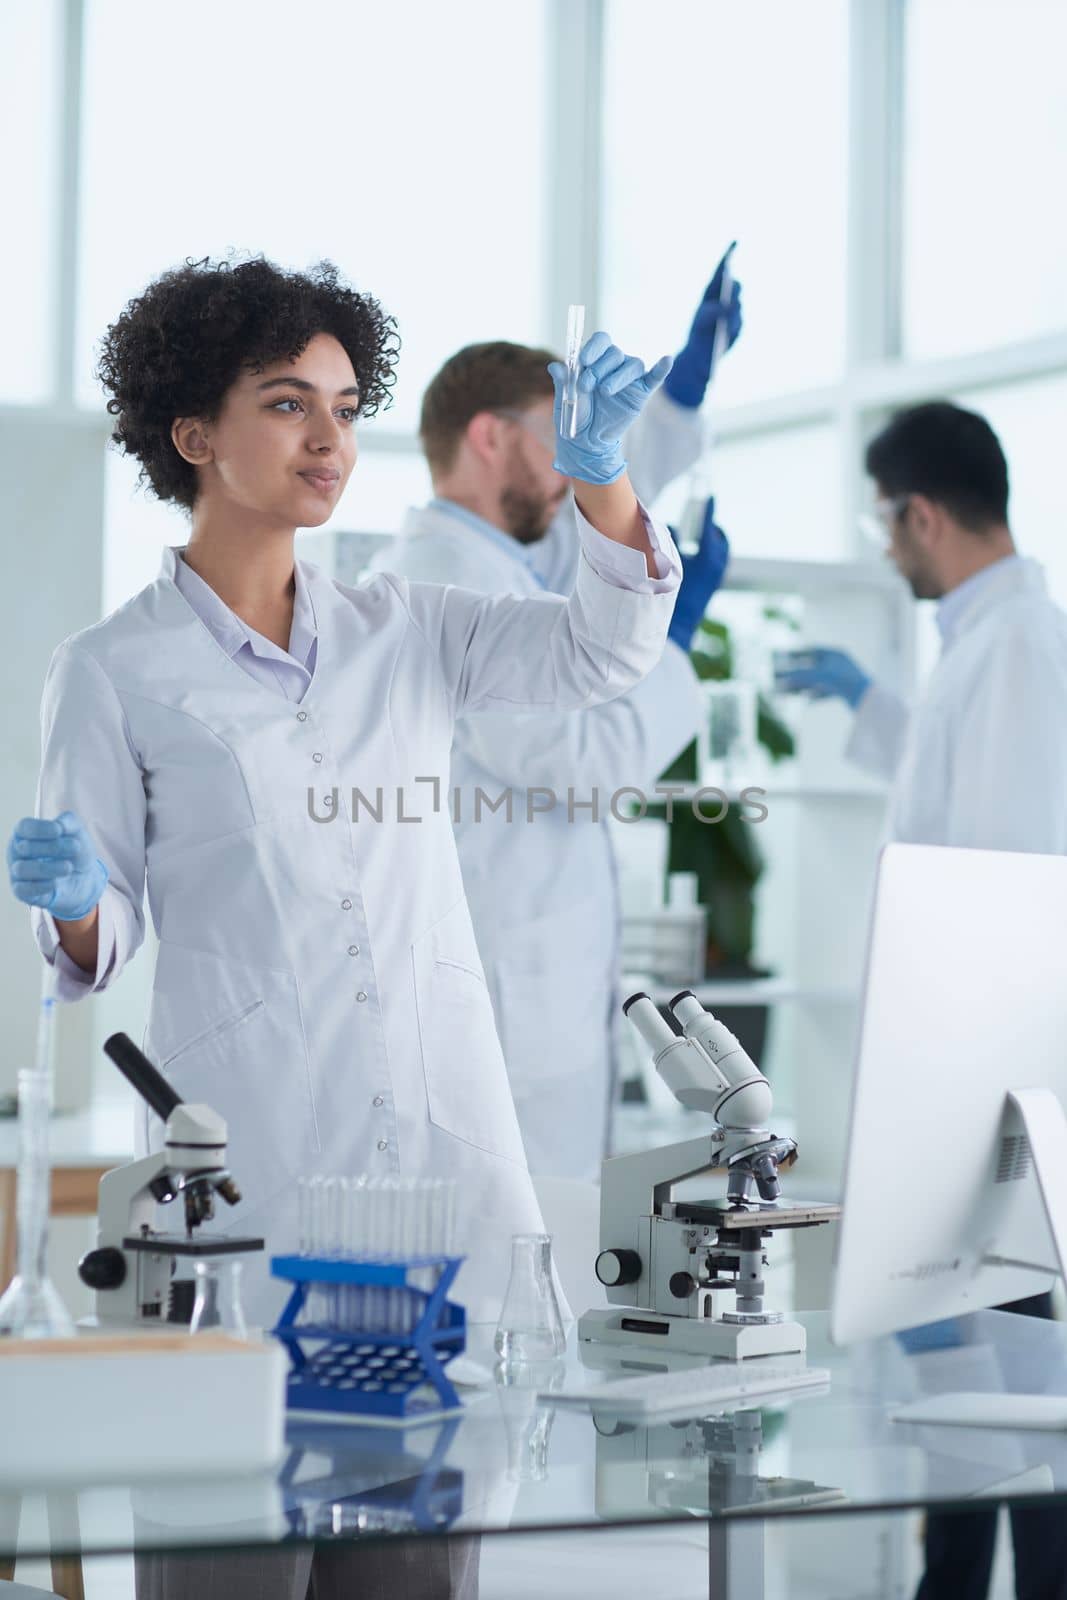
(876, 525)
(539, 427)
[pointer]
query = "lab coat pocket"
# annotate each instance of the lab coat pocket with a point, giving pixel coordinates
(210, 1035)
(247, 1059)
(467, 1089)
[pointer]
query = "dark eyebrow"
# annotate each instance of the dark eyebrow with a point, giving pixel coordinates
(299, 383)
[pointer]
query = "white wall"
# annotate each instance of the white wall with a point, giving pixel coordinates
(52, 472)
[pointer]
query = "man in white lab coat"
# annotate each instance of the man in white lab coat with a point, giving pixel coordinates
(981, 762)
(543, 892)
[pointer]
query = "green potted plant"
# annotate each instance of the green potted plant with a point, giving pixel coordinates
(725, 856)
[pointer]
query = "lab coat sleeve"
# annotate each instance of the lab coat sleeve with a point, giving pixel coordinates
(506, 653)
(89, 765)
(664, 441)
(628, 741)
(1008, 788)
(879, 731)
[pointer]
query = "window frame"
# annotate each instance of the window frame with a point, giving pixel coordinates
(876, 377)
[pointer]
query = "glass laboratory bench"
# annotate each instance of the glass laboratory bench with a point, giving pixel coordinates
(512, 1465)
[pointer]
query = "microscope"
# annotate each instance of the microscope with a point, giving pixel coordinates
(687, 1275)
(131, 1268)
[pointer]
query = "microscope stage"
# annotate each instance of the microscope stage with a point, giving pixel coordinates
(176, 1244)
(786, 1214)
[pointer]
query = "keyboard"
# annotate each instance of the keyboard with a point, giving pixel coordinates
(693, 1391)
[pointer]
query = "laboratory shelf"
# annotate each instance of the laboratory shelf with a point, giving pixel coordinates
(769, 575)
(777, 791)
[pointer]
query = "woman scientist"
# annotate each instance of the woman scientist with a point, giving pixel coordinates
(317, 980)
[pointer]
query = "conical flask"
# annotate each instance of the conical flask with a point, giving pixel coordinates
(218, 1305)
(530, 1326)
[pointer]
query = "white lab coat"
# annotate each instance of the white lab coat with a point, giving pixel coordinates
(982, 762)
(318, 983)
(543, 895)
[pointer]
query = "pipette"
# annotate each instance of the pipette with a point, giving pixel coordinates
(46, 1023)
(722, 325)
(569, 409)
(701, 486)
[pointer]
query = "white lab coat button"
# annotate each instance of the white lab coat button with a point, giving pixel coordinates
(353, 949)
(383, 1144)
(362, 995)
(301, 716)
(346, 905)
(378, 1100)
(317, 756)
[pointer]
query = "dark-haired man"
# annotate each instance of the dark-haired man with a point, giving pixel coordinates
(540, 877)
(982, 760)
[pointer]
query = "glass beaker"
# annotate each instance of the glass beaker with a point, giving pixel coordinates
(530, 1326)
(218, 1298)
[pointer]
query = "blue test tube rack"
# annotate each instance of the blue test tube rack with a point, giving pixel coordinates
(367, 1372)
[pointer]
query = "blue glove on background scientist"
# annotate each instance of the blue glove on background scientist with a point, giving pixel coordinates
(688, 379)
(718, 318)
(702, 573)
(824, 675)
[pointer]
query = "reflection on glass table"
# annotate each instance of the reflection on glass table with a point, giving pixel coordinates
(504, 1466)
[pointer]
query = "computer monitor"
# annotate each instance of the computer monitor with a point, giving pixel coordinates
(956, 1167)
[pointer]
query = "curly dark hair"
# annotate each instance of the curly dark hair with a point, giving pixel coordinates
(178, 347)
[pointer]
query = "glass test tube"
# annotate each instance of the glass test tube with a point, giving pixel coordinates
(569, 407)
(376, 1219)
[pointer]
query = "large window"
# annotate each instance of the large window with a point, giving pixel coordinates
(985, 259)
(405, 142)
(712, 132)
(29, 189)
(776, 494)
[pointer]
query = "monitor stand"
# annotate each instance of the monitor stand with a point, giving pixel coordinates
(1043, 1118)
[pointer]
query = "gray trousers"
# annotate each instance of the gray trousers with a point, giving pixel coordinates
(380, 1569)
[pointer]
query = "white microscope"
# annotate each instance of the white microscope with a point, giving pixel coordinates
(687, 1275)
(130, 1270)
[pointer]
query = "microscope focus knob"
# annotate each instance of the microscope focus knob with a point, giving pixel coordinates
(103, 1269)
(681, 1285)
(615, 1267)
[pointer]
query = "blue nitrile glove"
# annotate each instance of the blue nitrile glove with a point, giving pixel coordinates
(701, 575)
(688, 378)
(824, 674)
(612, 391)
(54, 865)
(947, 1335)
